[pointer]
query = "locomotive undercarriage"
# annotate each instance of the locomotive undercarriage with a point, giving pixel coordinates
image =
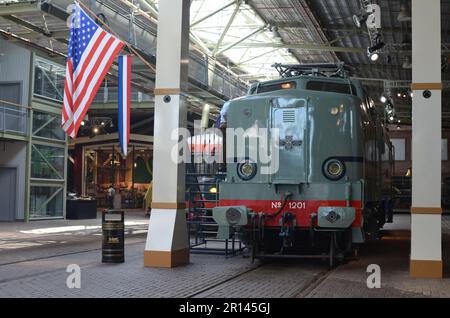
(292, 242)
(301, 226)
(301, 243)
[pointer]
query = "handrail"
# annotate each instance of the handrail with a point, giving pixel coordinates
(14, 104)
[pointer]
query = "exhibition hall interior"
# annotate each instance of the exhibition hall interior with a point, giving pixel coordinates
(224, 149)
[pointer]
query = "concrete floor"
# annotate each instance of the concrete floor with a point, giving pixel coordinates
(34, 258)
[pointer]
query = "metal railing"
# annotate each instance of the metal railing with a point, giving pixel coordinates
(13, 118)
(107, 95)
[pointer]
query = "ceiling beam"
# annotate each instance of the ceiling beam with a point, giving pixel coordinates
(19, 7)
(227, 28)
(27, 25)
(303, 46)
(334, 28)
(238, 42)
(213, 13)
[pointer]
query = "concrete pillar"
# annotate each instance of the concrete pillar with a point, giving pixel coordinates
(167, 240)
(426, 236)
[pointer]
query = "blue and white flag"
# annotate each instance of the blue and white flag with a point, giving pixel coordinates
(124, 102)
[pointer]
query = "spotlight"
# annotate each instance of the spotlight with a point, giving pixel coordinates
(399, 95)
(391, 118)
(103, 123)
(372, 51)
(96, 130)
(374, 57)
(83, 123)
(390, 110)
(383, 99)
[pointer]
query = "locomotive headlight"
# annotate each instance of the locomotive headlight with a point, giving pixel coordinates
(246, 170)
(213, 190)
(334, 169)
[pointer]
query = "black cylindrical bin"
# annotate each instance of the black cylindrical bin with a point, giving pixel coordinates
(113, 226)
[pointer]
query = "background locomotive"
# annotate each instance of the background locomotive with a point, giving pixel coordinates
(333, 186)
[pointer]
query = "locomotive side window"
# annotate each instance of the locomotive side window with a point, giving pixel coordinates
(340, 88)
(276, 87)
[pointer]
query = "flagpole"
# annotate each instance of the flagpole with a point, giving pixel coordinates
(134, 51)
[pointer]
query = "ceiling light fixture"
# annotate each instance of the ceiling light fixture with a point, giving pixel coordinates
(374, 56)
(372, 51)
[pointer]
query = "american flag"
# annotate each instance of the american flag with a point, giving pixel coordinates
(91, 53)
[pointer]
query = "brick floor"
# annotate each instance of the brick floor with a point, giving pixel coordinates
(281, 280)
(47, 278)
(40, 271)
(392, 254)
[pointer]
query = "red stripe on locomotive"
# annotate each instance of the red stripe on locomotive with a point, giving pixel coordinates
(302, 209)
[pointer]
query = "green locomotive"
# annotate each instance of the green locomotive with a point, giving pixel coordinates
(331, 186)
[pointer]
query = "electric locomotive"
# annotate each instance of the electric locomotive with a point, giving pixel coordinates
(331, 188)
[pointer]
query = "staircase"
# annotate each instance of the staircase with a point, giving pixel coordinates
(202, 196)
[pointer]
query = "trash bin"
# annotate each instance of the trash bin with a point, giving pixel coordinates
(113, 226)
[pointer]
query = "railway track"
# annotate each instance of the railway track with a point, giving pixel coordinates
(273, 280)
(277, 279)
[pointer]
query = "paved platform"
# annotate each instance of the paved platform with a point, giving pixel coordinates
(15, 235)
(40, 270)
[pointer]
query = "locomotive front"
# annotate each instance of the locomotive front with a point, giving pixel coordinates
(305, 195)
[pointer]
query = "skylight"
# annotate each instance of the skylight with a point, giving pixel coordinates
(232, 31)
(256, 61)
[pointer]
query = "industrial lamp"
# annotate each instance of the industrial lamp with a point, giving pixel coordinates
(372, 51)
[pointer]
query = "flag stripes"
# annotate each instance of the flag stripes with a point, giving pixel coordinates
(124, 102)
(91, 54)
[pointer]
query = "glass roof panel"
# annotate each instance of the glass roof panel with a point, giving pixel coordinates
(244, 25)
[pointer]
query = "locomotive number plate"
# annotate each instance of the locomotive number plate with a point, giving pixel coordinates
(290, 205)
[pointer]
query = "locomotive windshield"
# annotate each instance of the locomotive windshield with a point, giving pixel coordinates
(333, 87)
(260, 89)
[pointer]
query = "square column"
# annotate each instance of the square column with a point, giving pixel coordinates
(426, 230)
(167, 239)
